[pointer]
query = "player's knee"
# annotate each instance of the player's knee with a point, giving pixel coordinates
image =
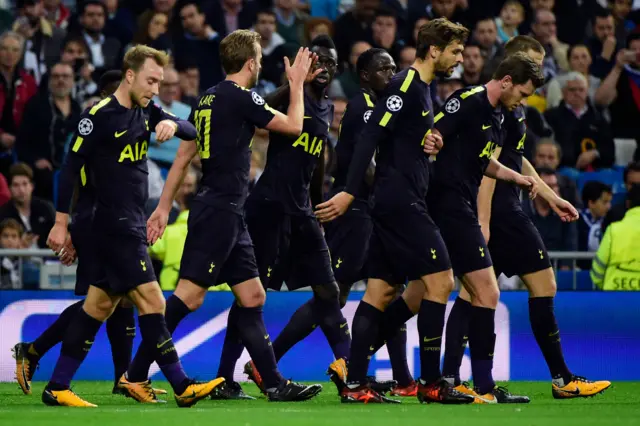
(100, 310)
(327, 292)
(488, 297)
(379, 294)
(254, 298)
(191, 294)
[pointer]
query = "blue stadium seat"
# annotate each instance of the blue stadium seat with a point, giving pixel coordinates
(164, 172)
(564, 280)
(613, 177)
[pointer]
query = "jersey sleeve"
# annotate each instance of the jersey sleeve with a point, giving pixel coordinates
(255, 109)
(458, 112)
(186, 129)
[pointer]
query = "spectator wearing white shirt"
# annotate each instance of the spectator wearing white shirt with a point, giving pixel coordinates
(105, 51)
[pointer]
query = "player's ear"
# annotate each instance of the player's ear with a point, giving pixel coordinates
(434, 51)
(129, 76)
(506, 82)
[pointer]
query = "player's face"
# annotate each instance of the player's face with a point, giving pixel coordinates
(255, 65)
(146, 82)
(382, 69)
(328, 63)
(449, 58)
(514, 94)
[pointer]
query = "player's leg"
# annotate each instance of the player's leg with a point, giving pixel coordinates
(457, 331)
(542, 291)
(77, 342)
(121, 330)
(28, 355)
(397, 348)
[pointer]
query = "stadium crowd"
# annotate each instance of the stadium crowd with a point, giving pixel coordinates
(582, 126)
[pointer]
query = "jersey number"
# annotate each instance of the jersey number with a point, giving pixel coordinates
(203, 126)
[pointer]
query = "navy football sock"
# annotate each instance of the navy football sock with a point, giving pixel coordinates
(175, 312)
(250, 325)
(456, 341)
(157, 339)
(232, 347)
(333, 324)
(121, 330)
(482, 341)
(430, 329)
(397, 347)
(55, 333)
(395, 317)
(301, 324)
(547, 334)
(77, 342)
(366, 324)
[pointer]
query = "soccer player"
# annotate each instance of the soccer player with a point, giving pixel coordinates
(112, 140)
(218, 247)
(348, 236)
(120, 325)
(517, 249)
(405, 244)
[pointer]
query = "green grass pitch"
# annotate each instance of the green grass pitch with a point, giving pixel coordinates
(620, 405)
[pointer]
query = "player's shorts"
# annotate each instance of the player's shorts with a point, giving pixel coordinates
(122, 260)
(348, 240)
(218, 248)
(405, 246)
(462, 234)
(89, 271)
(289, 248)
(515, 244)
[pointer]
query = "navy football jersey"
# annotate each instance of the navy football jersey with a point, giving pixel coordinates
(356, 115)
(506, 195)
(292, 160)
(398, 126)
(470, 128)
(112, 142)
(225, 118)
(85, 198)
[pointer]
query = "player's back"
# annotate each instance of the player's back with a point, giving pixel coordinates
(470, 128)
(225, 119)
(292, 160)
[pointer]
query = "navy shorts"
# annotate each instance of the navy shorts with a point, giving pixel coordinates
(405, 246)
(515, 244)
(89, 271)
(122, 260)
(218, 248)
(348, 240)
(462, 234)
(289, 248)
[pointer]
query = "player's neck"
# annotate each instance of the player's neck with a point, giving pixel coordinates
(314, 92)
(494, 89)
(123, 97)
(240, 79)
(426, 70)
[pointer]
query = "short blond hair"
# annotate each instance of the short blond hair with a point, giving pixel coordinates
(137, 55)
(237, 48)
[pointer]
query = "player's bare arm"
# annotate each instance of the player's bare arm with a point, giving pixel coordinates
(562, 207)
(498, 171)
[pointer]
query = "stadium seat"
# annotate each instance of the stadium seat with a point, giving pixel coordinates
(625, 148)
(164, 172)
(613, 177)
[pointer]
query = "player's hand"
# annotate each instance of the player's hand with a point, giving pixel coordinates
(156, 225)
(57, 238)
(298, 71)
(564, 209)
(432, 143)
(313, 71)
(528, 183)
(336, 206)
(165, 130)
(68, 253)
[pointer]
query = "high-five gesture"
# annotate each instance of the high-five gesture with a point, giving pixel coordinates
(298, 72)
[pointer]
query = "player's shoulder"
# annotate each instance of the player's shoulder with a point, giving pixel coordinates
(361, 102)
(406, 81)
(468, 97)
(101, 108)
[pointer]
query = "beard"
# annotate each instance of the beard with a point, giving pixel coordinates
(254, 80)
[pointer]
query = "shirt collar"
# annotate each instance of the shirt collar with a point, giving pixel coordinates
(90, 39)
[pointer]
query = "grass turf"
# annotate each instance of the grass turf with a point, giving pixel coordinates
(620, 405)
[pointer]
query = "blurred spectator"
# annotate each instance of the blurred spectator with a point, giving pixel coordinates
(354, 26)
(446, 87)
(407, 57)
(290, 21)
(620, 91)
(314, 27)
(603, 45)
(16, 88)
(105, 51)
(199, 37)
(189, 83)
(511, 16)
(185, 191)
(168, 99)
(485, 34)
(166, 7)
(35, 214)
(339, 107)
(580, 129)
(620, 9)
(473, 62)
(324, 9)
(120, 23)
(631, 177)
(43, 40)
(347, 84)
(42, 138)
(545, 31)
(616, 265)
(6, 17)
(547, 155)
(57, 13)
(152, 31)
(453, 10)
(556, 234)
(596, 198)
(273, 47)
(11, 233)
(226, 16)
(579, 61)
(416, 29)
(75, 53)
(384, 32)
